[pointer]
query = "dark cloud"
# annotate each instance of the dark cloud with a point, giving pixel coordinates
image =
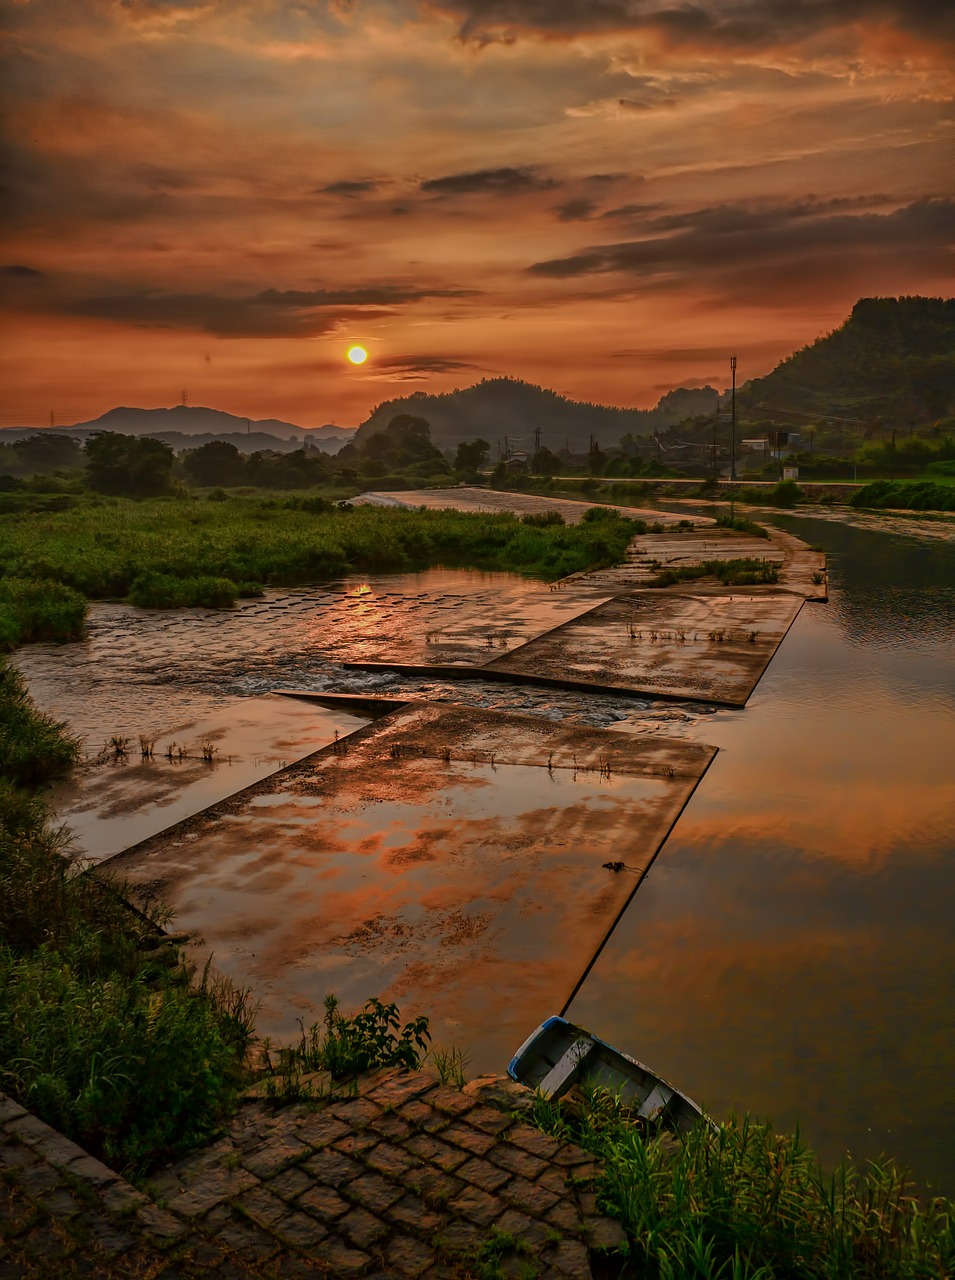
(502, 182)
(272, 313)
(630, 210)
(575, 210)
(350, 190)
(724, 24)
(657, 104)
(419, 367)
(20, 272)
(740, 249)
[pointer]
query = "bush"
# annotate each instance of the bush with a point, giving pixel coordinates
(733, 573)
(726, 521)
(38, 609)
(163, 591)
(785, 494)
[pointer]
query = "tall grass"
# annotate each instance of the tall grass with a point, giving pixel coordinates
(101, 1032)
(740, 1202)
(910, 495)
(115, 547)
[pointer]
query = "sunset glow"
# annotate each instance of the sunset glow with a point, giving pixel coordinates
(603, 199)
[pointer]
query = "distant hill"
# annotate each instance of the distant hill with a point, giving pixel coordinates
(195, 420)
(499, 408)
(894, 359)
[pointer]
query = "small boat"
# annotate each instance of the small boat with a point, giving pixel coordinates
(559, 1055)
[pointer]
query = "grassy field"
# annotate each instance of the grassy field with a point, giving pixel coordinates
(174, 551)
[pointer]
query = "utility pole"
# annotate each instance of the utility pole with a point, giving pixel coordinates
(733, 456)
(52, 419)
(716, 418)
(184, 399)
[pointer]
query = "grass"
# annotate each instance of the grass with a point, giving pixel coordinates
(38, 609)
(163, 552)
(909, 495)
(102, 1033)
(740, 1202)
(733, 573)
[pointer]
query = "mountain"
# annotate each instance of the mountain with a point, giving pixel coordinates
(893, 359)
(190, 420)
(496, 409)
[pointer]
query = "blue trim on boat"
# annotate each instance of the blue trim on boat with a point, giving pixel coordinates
(531, 1039)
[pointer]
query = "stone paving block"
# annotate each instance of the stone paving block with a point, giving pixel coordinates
(320, 1130)
(529, 1197)
(262, 1206)
(159, 1224)
(248, 1242)
(16, 1157)
(331, 1168)
(35, 1179)
(374, 1192)
(473, 1140)
(415, 1112)
(108, 1238)
(323, 1203)
(436, 1152)
(119, 1197)
(401, 1087)
(289, 1184)
(391, 1125)
(91, 1171)
(59, 1203)
(274, 1156)
(354, 1144)
(453, 1101)
(490, 1119)
(565, 1216)
(459, 1237)
(58, 1150)
(300, 1231)
(362, 1228)
(342, 1260)
(10, 1110)
(483, 1174)
(570, 1156)
(215, 1188)
(434, 1184)
(532, 1140)
(605, 1233)
(517, 1161)
(357, 1113)
(413, 1213)
(409, 1257)
(528, 1230)
(27, 1128)
(554, 1180)
(476, 1205)
(390, 1160)
(569, 1258)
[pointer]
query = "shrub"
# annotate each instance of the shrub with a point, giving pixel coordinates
(726, 521)
(39, 609)
(745, 571)
(543, 519)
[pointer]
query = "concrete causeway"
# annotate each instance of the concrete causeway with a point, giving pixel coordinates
(400, 1177)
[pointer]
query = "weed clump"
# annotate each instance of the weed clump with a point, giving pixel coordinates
(726, 521)
(745, 571)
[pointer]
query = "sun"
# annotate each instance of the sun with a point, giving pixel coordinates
(357, 355)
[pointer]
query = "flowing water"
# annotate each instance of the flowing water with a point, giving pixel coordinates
(792, 951)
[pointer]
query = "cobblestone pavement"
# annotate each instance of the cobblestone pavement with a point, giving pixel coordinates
(404, 1177)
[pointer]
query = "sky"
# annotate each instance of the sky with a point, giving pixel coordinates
(606, 197)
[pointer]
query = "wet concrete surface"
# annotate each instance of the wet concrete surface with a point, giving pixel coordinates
(713, 646)
(445, 857)
(113, 801)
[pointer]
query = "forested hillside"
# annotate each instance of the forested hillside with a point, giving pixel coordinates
(894, 359)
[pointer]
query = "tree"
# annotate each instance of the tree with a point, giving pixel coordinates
(135, 466)
(216, 462)
(471, 456)
(545, 463)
